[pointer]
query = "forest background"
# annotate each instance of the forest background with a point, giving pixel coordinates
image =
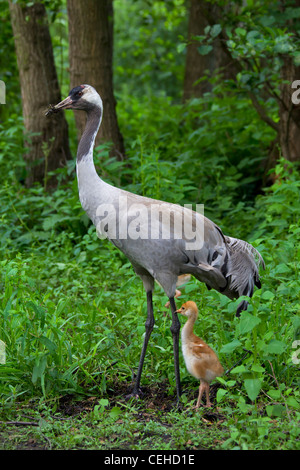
(201, 105)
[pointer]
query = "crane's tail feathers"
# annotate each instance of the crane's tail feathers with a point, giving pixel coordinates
(242, 270)
(241, 246)
(242, 306)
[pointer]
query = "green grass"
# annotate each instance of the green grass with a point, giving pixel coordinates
(100, 424)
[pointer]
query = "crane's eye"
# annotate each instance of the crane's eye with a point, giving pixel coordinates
(79, 93)
(182, 308)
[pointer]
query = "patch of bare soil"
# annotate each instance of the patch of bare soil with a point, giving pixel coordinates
(155, 398)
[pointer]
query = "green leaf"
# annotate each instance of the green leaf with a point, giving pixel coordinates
(39, 311)
(48, 343)
(254, 38)
(252, 387)
(181, 47)
(104, 402)
(191, 287)
(229, 347)
(220, 394)
(215, 30)
(115, 412)
(267, 20)
(283, 47)
(39, 369)
(275, 410)
(248, 322)
(267, 295)
(275, 347)
(257, 368)
(205, 49)
(241, 31)
(239, 369)
(275, 394)
(281, 268)
(231, 44)
(53, 220)
(92, 246)
(291, 401)
(207, 29)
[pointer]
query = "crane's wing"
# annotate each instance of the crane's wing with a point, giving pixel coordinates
(167, 240)
(207, 262)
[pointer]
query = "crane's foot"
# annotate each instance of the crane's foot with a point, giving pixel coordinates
(136, 394)
(178, 406)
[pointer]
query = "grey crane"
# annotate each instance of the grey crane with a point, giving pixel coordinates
(161, 240)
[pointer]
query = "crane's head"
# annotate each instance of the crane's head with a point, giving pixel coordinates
(82, 97)
(188, 309)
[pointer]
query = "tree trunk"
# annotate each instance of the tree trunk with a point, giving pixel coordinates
(287, 142)
(196, 65)
(47, 139)
(91, 54)
(289, 110)
(289, 124)
(198, 68)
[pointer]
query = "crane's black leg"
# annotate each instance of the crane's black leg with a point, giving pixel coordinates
(175, 328)
(149, 327)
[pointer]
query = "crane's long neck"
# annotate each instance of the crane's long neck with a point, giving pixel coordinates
(87, 141)
(92, 189)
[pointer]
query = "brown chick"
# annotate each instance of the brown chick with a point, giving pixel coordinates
(201, 361)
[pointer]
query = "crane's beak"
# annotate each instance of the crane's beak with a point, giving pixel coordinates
(64, 104)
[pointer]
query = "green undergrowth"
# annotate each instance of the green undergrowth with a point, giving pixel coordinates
(72, 311)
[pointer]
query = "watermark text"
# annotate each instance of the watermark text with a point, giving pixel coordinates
(127, 220)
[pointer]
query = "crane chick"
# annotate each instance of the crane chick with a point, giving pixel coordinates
(201, 361)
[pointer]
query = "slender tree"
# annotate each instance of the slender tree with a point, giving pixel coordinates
(197, 65)
(91, 56)
(289, 123)
(46, 139)
(201, 64)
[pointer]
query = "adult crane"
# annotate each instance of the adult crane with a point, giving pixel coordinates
(161, 240)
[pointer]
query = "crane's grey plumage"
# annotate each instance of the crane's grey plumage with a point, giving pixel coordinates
(223, 263)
